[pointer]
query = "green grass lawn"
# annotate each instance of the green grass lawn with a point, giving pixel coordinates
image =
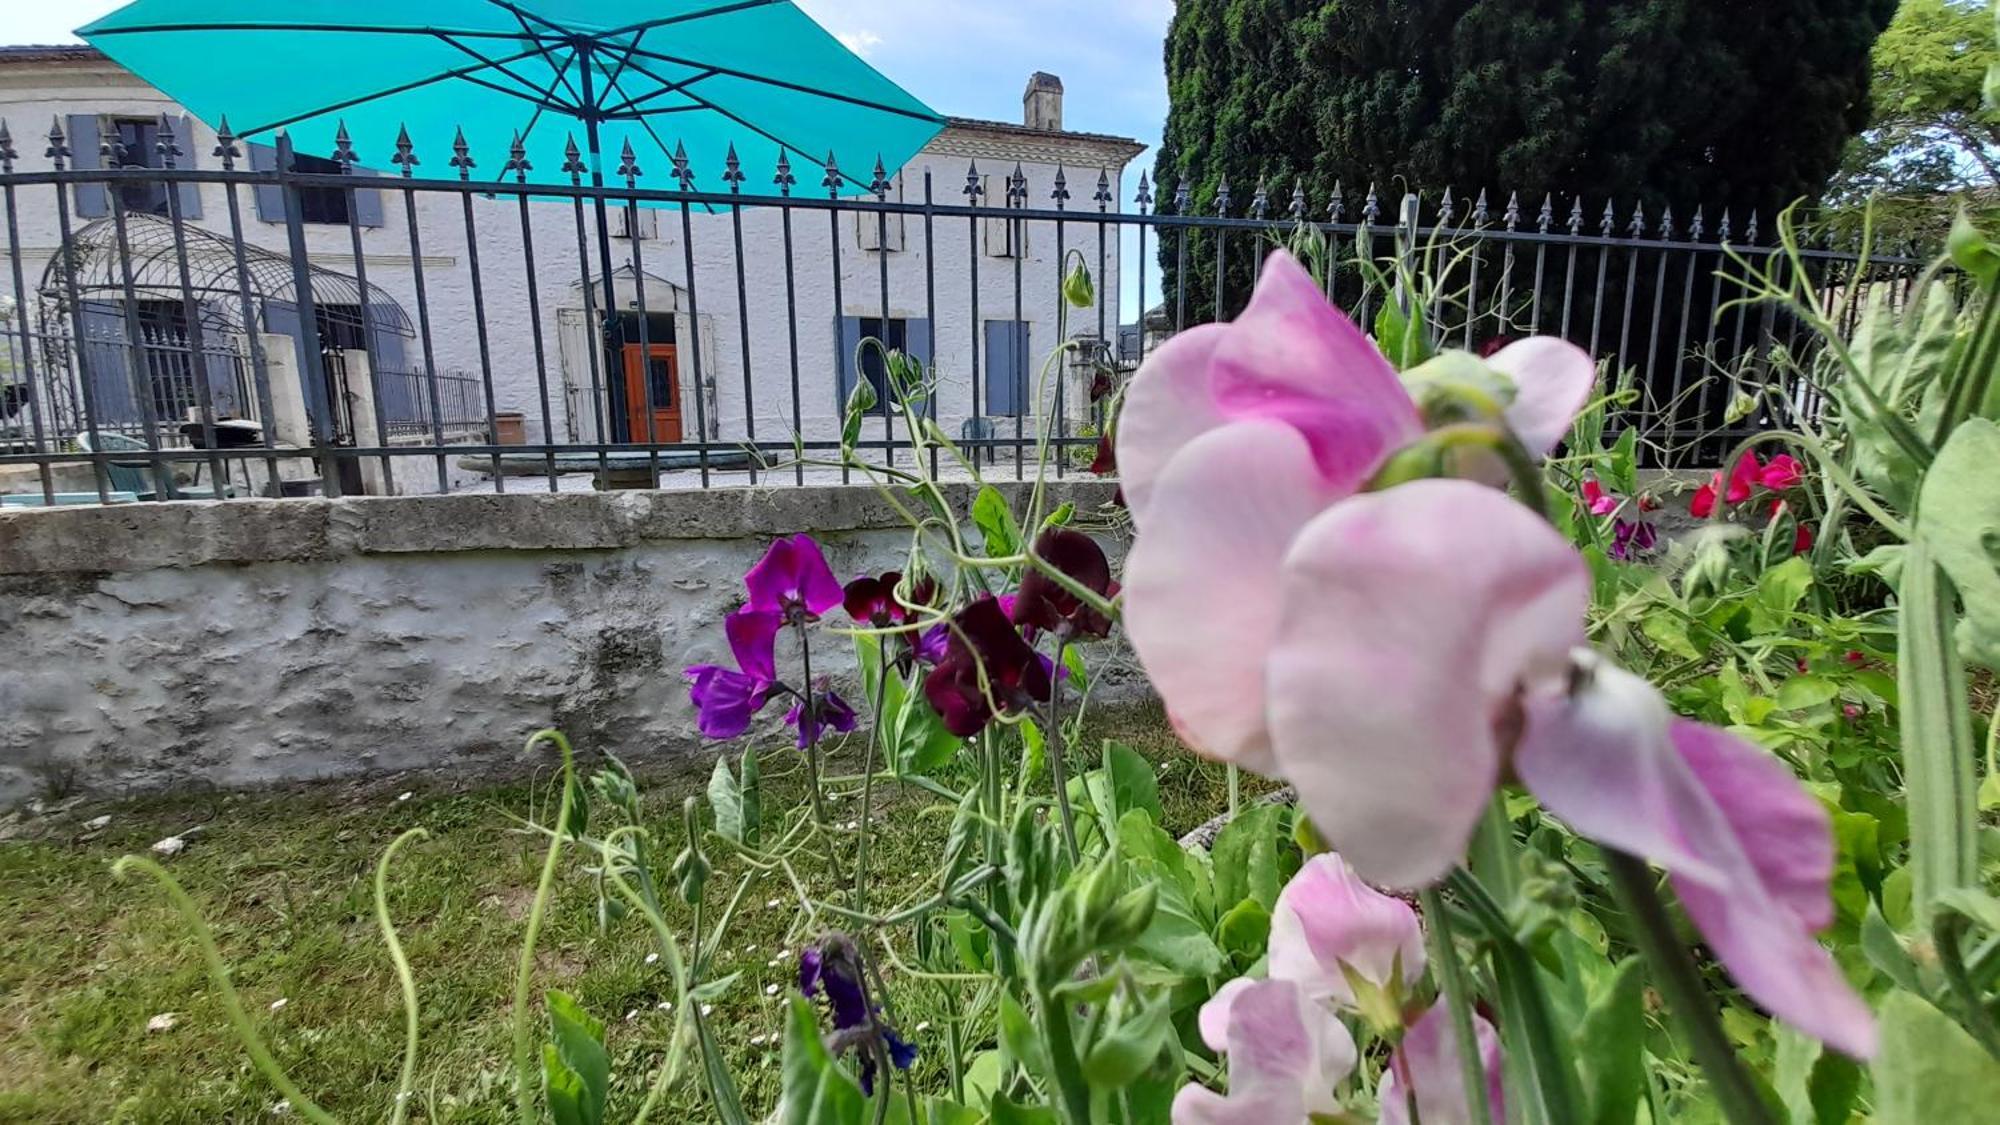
(286, 880)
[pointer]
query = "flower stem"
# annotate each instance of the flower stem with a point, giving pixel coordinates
(1235, 777)
(809, 713)
(1057, 775)
(1458, 998)
(1675, 975)
(407, 983)
(524, 1050)
(868, 779)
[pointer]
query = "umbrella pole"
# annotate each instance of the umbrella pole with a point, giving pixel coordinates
(590, 122)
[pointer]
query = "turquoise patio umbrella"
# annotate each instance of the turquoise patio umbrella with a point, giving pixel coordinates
(758, 76)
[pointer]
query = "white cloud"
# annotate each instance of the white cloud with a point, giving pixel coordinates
(860, 42)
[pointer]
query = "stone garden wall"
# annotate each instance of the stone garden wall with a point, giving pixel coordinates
(223, 644)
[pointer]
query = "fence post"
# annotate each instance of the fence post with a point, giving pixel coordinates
(312, 366)
(1406, 249)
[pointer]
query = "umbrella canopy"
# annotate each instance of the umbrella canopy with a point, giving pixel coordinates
(756, 75)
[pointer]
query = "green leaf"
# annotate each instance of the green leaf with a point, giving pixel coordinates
(1128, 1049)
(1930, 1070)
(1802, 692)
(1972, 252)
(922, 742)
(1176, 939)
(1245, 857)
(1018, 1040)
(576, 1068)
(814, 1091)
(713, 989)
(996, 522)
(1817, 1086)
(1669, 631)
(1004, 1111)
(751, 790)
(1402, 338)
(726, 798)
(1857, 868)
(1959, 519)
(1610, 1047)
(1971, 903)
(1134, 785)
(1885, 951)
(1244, 931)
(1780, 587)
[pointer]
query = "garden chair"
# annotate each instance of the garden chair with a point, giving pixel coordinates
(136, 477)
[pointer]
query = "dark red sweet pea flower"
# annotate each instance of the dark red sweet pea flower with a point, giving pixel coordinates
(981, 636)
(1106, 461)
(1043, 603)
(871, 600)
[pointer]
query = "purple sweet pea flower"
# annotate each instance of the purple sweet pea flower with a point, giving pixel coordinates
(726, 698)
(793, 580)
(1425, 1069)
(932, 644)
(1631, 538)
(829, 711)
(833, 968)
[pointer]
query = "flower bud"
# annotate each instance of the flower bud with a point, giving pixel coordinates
(1128, 917)
(1078, 289)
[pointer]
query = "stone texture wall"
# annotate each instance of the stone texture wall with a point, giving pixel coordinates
(156, 646)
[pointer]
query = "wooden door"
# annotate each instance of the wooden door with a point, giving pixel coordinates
(655, 364)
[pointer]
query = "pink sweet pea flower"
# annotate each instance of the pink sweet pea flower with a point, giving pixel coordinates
(1749, 850)
(1425, 1069)
(1330, 931)
(1286, 1053)
(1600, 502)
(1781, 472)
(1353, 645)
(793, 579)
(1232, 439)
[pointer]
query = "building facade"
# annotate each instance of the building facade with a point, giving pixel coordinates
(444, 295)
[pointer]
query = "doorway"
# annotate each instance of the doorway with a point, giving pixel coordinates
(652, 374)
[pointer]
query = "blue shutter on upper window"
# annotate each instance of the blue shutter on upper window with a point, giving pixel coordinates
(269, 199)
(846, 339)
(91, 200)
(188, 159)
(1006, 367)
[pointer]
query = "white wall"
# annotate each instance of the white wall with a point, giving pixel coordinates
(443, 248)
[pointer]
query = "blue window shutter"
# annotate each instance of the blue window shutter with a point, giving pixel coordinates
(91, 201)
(268, 198)
(847, 338)
(105, 354)
(367, 202)
(189, 159)
(1006, 356)
(917, 340)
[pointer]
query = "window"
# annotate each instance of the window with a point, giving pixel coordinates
(1005, 238)
(138, 136)
(909, 335)
(639, 222)
(877, 230)
(320, 204)
(894, 334)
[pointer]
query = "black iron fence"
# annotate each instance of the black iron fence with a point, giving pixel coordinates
(695, 335)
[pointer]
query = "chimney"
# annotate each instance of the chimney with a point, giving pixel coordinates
(1041, 104)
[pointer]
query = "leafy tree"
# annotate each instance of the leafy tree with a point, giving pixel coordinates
(1678, 102)
(1932, 139)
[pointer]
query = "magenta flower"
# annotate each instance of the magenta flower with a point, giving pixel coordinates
(792, 579)
(1016, 676)
(1632, 538)
(1286, 1053)
(725, 699)
(1426, 1065)
(1232, 439)
(1781, 472)
(1333, 934)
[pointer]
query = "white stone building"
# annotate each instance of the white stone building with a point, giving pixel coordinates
(747, 355)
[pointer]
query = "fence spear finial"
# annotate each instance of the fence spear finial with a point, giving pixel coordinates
(573, 165)
(783, 177)
(164, 143)
(6, 147)
(1104, 197)
(1297, 212)
(58, 147)
(1144, 197)
(406, 155)
(461, 155)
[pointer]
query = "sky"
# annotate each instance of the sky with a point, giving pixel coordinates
(964, 59)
